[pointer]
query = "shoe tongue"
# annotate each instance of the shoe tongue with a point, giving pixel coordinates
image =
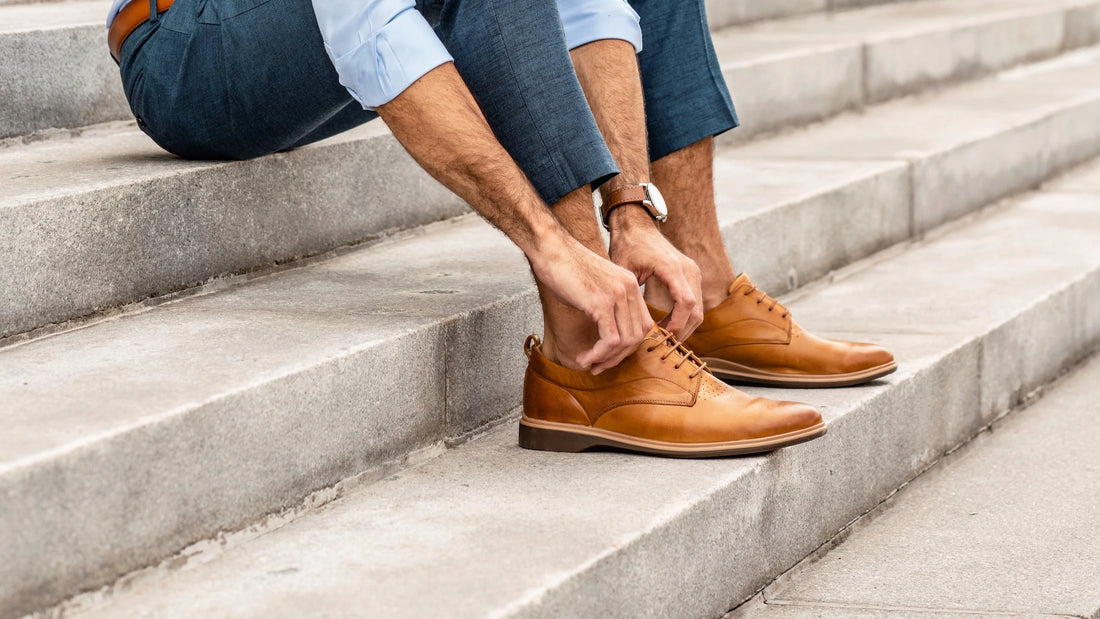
(738, 281)
(657, 334)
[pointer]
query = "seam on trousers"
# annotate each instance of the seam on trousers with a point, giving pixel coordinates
(538, 128)
(719, 80)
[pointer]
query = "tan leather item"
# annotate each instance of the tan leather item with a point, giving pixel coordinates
(632, 194)
(660, 400)
(128, 19)
(750, 337)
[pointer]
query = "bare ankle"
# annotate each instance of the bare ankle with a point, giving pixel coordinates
(550, 351)
(714, 293)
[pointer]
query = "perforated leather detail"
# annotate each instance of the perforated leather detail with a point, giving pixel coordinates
(710, 387)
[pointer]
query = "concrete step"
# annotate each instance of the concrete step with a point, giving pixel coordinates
(253, 397)
(1006, 526)
(980, 315)
(827, 63)
(105, 218)
(56, 69)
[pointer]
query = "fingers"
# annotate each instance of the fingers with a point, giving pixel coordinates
(622, 323)
(605, 346)
(684, 283)
(634, 323)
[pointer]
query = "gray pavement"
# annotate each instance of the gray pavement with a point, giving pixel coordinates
(1007, 526)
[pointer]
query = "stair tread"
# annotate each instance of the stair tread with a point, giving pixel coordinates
(923, 124)
(490, 528)
(109, 155)
(795, 35)
(1014, 510)
(48, 16)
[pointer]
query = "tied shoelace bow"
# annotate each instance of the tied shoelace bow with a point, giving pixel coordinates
(686, 355)
(764, 297)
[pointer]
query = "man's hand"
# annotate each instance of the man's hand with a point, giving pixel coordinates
(609, 295)
(638, 246)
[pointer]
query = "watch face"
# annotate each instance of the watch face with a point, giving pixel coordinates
(657, 200)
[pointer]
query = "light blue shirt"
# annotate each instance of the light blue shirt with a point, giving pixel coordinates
(380, 47)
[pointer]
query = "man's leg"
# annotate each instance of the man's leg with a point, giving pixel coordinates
(687, 104)
(567, 332)
(609, 74)
(686, 177)
(513, 57)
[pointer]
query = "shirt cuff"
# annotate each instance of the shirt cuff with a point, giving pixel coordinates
(385, 64)
(585, 21)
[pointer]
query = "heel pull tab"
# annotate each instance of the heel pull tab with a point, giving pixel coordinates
(530, 344)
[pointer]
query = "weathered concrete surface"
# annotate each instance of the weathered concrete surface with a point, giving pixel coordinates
(481, 309)
(218, 409)
(790, 222)
(1008, 525)
(1084, 179)
(56, 68)
(107, 218)
(491, 529)
(820, 65)
(1032, 123)
(722, 13)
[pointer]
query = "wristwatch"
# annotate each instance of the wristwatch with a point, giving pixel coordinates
(646, 195)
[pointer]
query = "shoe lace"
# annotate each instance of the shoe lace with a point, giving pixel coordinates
(686, 356)
(763, 298)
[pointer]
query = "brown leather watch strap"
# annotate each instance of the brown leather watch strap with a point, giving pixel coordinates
(632, 194)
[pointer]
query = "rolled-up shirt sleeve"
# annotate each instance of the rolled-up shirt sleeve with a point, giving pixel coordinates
(585, 21)
(379, 47)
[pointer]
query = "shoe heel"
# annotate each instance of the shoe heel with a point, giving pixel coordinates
(548, 439)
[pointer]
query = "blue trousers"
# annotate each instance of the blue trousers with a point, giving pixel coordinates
(237, 79)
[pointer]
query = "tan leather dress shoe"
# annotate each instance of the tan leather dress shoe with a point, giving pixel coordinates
(660, 400)
(751, 338)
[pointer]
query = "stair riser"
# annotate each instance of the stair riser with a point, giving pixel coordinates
(58, 78)
(905, 65)
(794, 90)
(722, 13)
(217, 467)
(953, 183)
(804, 88)
(1082, 26)
(796, 242)
(724, 549)
(71, 255)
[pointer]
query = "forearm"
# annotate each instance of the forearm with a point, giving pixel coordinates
(609, 75)
(440, 124)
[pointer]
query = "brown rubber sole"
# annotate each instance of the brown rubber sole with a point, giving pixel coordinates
(735, 372)
(572, 438)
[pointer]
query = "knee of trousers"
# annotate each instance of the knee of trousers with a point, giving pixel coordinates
(513, 56)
